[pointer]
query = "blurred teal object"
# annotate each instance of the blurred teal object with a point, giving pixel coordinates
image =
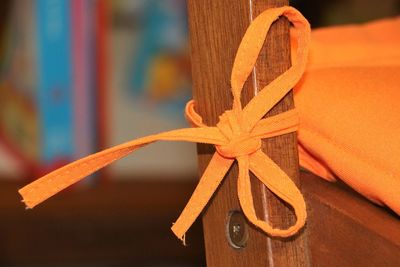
(161, 68)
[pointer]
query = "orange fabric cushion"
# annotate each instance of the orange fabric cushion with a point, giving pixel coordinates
(349, 106)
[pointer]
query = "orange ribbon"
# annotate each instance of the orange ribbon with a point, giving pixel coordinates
(237, 136)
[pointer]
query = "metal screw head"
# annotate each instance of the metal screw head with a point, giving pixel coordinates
(237, 229)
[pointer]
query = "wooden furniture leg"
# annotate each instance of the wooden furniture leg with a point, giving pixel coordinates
(216, 28)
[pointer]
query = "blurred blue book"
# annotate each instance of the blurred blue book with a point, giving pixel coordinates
(55, 82)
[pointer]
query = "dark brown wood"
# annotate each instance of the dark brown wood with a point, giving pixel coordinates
(216, 28)
(125, 223)
(345, 229)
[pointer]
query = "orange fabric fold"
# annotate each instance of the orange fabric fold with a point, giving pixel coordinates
(348, 104)
(237, 136)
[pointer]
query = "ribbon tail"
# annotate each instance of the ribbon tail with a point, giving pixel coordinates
(54, 182)
(280, 184)
(208, 184)
(283, 123)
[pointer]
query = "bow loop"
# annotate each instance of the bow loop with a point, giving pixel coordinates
(192, 116)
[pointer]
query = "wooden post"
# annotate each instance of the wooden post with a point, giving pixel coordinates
(216, 28)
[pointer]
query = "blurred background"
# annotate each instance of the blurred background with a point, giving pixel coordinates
(81, 75)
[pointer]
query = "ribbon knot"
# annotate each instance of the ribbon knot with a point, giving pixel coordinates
(237, 136)
(240, 142)
(238, 146)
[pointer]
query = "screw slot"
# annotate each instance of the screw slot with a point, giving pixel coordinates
(237, 230)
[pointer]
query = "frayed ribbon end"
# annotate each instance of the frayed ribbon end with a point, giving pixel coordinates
(181, 237)
(28, 204)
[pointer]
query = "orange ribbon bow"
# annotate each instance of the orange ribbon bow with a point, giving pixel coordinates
(237, 136)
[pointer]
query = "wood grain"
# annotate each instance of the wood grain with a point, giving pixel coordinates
(345, 229)
(216, 28)
(274, 60)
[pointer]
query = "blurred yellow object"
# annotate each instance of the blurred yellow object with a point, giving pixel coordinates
(167, 77)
